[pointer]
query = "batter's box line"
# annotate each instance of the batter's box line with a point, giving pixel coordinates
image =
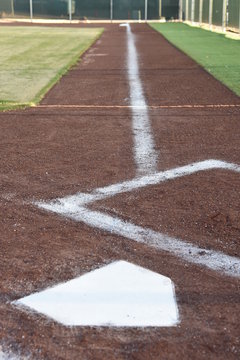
(75, 208)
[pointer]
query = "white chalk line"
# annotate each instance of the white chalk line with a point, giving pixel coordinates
(82, 199)
(145, 154)
(73, 207)
(211, 259)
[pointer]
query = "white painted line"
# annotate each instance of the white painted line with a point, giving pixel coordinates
(167, 175)
(81, 199)
(211, 259)
(145, 154)
(119, 294)
(7, 356)
(3, 356)
(72, 207)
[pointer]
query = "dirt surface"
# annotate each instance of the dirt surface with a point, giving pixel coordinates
(49, 152)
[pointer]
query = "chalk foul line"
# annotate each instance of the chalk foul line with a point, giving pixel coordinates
(74, 207)
(144, 147)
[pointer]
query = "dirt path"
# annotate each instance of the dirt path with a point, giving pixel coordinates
(82, 138)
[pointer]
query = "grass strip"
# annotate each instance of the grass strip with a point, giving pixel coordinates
(33, 59)
(216, 53)
(10, 105)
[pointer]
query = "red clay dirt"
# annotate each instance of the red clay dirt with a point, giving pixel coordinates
(53, 152)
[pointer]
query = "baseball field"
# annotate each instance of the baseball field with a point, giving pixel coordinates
(119, 195)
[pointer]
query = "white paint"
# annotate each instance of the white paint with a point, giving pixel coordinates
(145, 155)
(167, 175)
(73, 207)
(4, 356)
(81, 199)
(119, 294)
(211, 259)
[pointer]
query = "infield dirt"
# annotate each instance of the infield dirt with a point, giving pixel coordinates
(53, 151)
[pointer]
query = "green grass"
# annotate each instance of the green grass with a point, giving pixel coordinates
(219, 55)
(33, 59)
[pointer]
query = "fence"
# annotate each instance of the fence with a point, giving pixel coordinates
(91, 9)
(224, 13)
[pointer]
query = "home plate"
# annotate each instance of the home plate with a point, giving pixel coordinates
(119, 294)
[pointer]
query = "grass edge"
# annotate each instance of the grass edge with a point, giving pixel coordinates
(235, 92)
(10, 105)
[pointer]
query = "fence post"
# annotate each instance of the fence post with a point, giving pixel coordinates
(200, 11)
(224, 14)
(31, 10)
(12, 7)
(210, 13)
(180, 11)
(70, 9)
(193, 11)
(239, 18)
(160, 9)
(186, 17)
(111, 10)
(146, 9)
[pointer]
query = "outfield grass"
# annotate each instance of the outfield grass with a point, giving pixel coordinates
(219, 55)
(32, 59)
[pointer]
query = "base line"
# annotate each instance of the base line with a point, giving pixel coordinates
(146, 156)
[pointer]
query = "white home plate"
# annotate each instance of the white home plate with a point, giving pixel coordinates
(119, 294)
